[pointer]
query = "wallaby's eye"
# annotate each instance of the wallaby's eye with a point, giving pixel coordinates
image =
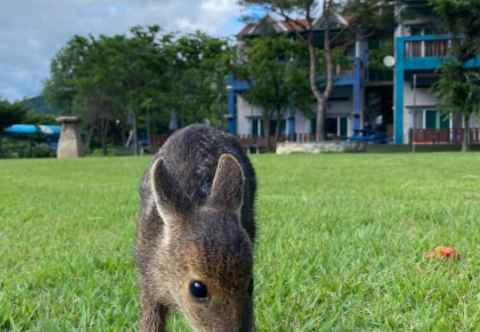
(198, 290)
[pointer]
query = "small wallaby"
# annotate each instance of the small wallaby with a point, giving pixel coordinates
(196, 233)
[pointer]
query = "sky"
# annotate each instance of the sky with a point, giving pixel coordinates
(32, 31)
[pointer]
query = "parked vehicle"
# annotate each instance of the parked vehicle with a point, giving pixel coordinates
(369, 136)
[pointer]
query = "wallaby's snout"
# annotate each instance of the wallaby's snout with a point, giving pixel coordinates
(214, 284)
(196, 233)
(222, 312)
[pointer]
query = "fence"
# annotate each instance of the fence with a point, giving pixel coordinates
(427, 48)
(443, 136)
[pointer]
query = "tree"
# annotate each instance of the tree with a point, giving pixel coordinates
(117, 82)
(366, 16)
(60, 89)
(198, 65)
(272, 67)
(11, 113)
(458, 87)
(106, 79)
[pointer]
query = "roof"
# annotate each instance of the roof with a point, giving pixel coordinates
(290, 26)
(279, 26)
(335, 21)
(32, 130)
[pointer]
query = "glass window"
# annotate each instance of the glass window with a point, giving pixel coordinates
(257, 127)
(273, 126)
(343, 127)
(332, 127)
(433, 120)
(444, 121)
(430, 119)
(313, 125)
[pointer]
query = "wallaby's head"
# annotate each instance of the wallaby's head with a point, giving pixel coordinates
(205, 253)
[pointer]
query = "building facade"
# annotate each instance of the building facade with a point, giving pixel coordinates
(420, 45)
(392, 100)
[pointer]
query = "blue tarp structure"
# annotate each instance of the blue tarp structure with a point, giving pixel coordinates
(23, 130)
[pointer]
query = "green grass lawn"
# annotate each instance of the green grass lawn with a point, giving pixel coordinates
(341, 243)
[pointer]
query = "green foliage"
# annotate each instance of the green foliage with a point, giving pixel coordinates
(39, 118)
(13, 148)
(117, 81)
(196, 72)
(458, 87)
(365, 18)
(413, 9)
(11, 113)
(337, 250)
(276, 72)
(370, 17)
(462, 19)
(376, 55)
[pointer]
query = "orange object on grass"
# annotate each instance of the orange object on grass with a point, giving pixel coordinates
(443, 252)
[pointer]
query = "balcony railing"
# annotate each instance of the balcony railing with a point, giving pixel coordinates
(444, 136)
(427, 48)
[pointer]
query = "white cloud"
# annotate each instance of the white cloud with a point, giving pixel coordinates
(32, 31)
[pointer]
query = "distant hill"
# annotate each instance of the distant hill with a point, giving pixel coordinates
(39, 105)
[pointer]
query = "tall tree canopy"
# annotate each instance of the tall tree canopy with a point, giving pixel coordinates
(124, 80)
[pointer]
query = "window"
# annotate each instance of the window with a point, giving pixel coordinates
(331, 127)
(436, 120)
(334, 127)
(431, 119)
(273, 126)
(257, 127)
(343, 127)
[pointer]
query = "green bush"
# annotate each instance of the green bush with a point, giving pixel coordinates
(13, 149)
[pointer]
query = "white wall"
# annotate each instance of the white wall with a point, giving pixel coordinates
(302, 124)
(423, 97)
(245, 111)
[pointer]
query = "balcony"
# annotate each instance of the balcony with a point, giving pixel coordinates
(425, 52)
(427, 48)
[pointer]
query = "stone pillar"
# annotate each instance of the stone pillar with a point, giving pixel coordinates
(69, 145)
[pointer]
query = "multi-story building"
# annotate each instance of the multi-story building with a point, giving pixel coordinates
(420, 44)
(345, 105)
(395, 100)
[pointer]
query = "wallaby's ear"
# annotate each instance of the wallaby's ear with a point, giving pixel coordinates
(170, 200)
(228, 183)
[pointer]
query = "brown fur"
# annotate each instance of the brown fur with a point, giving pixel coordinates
(196, 223)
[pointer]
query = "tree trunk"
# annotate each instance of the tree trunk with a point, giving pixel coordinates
(327, 54)
(88, 139)
(266, 132)
(466, 133)
(277, 127)
(122, 134)
(320, 125)
(135, 134)
(105, 124)
(321, 98)
(149, 128)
